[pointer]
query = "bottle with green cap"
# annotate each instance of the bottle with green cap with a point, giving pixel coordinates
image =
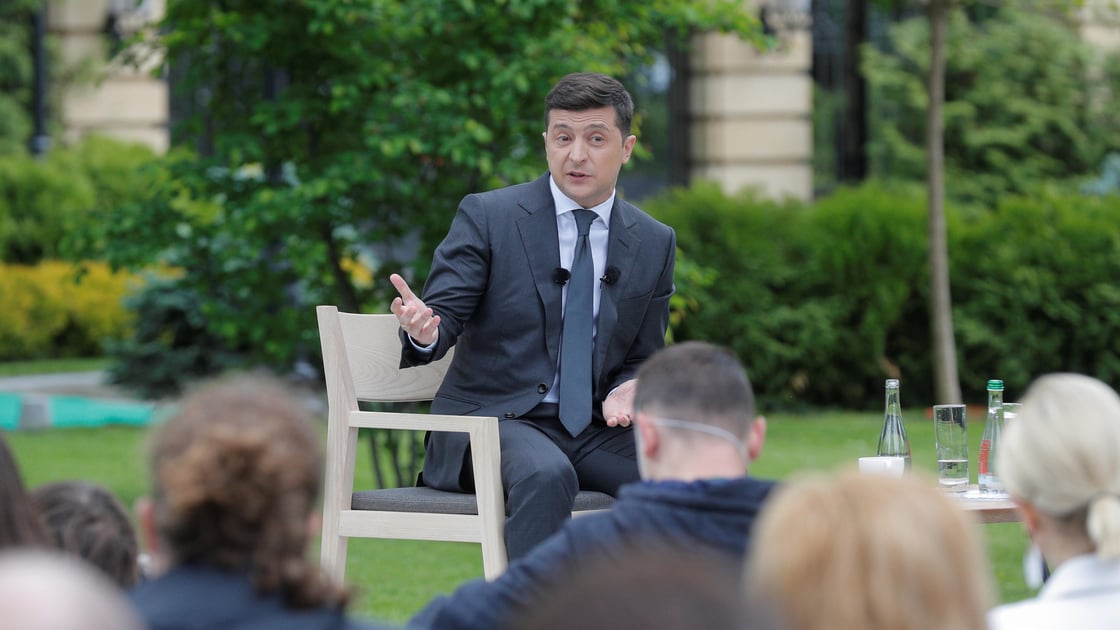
(989, 442)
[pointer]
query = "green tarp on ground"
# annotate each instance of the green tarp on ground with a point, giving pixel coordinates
(73, 411)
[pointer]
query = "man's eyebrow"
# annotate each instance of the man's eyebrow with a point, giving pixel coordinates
(567, 127)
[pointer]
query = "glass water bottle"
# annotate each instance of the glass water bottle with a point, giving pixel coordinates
(892, 439)
(989, 442)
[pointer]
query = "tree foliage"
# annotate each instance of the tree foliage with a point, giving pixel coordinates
(1025, 100)
(15, 74)
(345, 132)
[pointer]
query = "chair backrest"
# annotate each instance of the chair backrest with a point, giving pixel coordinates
(370, 345)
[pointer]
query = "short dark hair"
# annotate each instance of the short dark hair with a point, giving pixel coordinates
(87, 521)
(587, 90)
(701, 591)
(699, 382)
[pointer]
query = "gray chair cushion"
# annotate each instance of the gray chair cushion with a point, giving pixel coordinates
(430, 500)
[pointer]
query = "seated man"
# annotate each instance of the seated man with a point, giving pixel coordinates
(552, 293)
(696, 434)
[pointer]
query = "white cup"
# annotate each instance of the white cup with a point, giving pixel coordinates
(890, 466)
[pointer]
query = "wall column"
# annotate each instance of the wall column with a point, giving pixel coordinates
(119, 101)
(751, 114)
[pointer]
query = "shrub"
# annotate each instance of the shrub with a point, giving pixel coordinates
(171, 343)
(39, 203)
(1034, 290)
(748, 242)
(56, 310)
(868, 251)
(821, 303)
(55, 207)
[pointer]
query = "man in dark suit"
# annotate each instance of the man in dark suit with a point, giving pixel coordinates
(521, 271)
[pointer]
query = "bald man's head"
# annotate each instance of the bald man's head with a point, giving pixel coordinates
(41, 590)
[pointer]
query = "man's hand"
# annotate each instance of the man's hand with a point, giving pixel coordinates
(619, 405)
(415, 317)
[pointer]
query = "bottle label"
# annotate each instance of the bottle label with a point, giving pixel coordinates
(985, 452)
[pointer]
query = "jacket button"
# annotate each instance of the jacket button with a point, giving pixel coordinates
(542, 388)
(509, 414)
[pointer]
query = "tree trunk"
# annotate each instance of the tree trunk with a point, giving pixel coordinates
(947, 385)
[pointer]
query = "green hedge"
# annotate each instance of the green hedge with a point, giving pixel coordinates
(51, 208)
(823, 301)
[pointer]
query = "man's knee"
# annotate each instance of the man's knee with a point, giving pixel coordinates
(555, 478)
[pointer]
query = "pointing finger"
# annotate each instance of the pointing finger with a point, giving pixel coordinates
(402, 287)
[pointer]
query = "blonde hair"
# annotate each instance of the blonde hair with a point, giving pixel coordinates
(1061, 454)
(869, 552)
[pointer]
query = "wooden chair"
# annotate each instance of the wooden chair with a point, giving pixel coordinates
(361, 354)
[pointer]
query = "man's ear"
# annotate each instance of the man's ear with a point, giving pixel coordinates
(756, 437)
(1030, 514)
(146, 525)
(651, 441)
(314, 525)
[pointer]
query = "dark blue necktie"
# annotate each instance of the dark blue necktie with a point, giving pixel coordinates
(575, 345)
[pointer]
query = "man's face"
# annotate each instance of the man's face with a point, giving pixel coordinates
(585, 152)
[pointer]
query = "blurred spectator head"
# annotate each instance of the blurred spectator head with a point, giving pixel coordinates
(45, 590)
(87, 521)
(19, 522)
(236, 473)
(1060, 460)
(869, 552)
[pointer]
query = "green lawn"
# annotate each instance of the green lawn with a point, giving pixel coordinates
(396, 578)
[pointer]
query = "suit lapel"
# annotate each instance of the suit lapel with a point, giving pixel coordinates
(537, 228)
(622, 251)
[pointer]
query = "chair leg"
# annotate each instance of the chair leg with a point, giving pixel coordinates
(493, 557)
(333, 555)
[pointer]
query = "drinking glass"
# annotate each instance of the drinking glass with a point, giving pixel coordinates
(1010, 411)
(950, 431)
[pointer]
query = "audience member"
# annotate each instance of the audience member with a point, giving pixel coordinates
(235, 475)
(696, 433)
(87, 521)
(19, 522)
(45, 590)
(651, 589)
(868, 552)
(1060, 461)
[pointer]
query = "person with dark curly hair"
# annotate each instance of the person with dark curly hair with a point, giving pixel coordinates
(87, 521)
(19, 522)
(235, 474)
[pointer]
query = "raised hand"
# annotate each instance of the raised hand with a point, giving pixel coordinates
(415, 317)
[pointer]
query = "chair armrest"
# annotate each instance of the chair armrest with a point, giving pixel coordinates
(420, 421)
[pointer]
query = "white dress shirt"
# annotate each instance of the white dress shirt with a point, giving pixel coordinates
(1083, 593)
(568, 231)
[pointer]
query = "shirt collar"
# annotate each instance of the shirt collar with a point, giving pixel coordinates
(564, 203)
(1082, 575)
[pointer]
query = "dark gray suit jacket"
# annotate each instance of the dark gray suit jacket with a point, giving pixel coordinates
(492, 284)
